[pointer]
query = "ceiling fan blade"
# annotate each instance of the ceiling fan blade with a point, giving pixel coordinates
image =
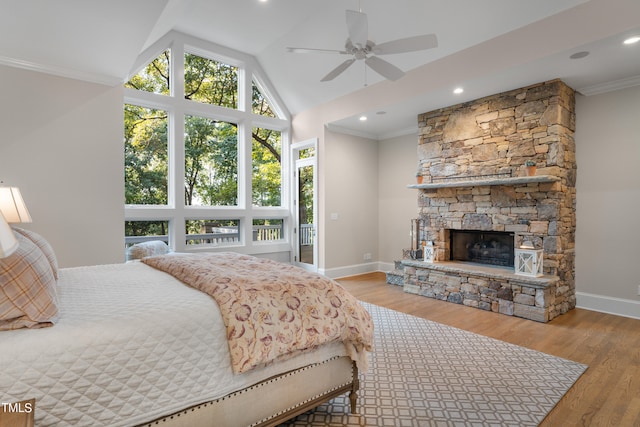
(409, 44)
(384, 68)
(358, 28)
(312, 50)
(338, 70)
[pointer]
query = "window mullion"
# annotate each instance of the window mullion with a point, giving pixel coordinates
(244, 177)
(176, 150)
(245, 95)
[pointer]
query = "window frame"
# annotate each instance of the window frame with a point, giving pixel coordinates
(175, 212)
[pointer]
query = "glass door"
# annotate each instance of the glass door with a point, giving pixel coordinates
(305, 206)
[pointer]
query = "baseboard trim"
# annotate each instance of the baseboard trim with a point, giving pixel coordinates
(609, 305)
(350, 270)
(354, 270)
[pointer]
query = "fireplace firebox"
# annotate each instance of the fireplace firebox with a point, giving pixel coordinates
(483, 247)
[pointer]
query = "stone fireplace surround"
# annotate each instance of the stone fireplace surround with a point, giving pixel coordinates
(472, 157)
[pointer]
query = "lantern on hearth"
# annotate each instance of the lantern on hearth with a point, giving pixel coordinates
(528, 260)
(429, 252)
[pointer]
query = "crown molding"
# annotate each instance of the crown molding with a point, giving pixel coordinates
(61, 72)
(412, 130)
(611, 86)
(340, 129)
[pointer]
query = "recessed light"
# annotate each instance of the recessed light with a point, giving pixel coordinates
(363, 118)
(579, 55)
(458, 90)
(632, 40)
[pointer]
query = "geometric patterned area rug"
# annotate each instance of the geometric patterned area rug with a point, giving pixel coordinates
(423, 373)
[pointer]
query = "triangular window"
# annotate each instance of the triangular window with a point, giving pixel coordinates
(260, 104)
(154, 77)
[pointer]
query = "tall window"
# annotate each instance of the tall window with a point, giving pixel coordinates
(145, 155)
(210, 162)
(203, 146)
(267, 170)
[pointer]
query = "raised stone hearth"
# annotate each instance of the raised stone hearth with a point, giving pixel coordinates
(472, 157)
(483, 287)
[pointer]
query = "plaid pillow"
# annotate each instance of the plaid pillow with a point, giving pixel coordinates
(28, 296)
(44, 246)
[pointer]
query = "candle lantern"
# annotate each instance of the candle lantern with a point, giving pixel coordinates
(528, 260)
(429, 252)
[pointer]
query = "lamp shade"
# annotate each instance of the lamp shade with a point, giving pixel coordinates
(12, 205)
(8, 242)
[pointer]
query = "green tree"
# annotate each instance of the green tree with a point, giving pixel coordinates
(155, 76)
(145, 151)
(211, 162)
(259, 104)
(266, 162)
(210, 82)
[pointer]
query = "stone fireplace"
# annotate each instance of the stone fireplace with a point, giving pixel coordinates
(477, 203)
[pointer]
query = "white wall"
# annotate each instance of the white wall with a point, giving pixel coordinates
(365, 186)
(350, 204)
(61, 144)
(608, 201)
(397, 204)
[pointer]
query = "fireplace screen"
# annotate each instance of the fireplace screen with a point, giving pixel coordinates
(484, 247)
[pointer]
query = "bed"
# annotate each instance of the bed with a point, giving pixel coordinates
(133, 345)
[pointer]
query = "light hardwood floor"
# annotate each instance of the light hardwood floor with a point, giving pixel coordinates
(607, 394)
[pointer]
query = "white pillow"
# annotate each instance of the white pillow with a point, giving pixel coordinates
(145, 249)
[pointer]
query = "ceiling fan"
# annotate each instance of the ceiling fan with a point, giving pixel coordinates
(359, 47)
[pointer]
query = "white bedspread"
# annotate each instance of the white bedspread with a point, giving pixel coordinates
(132, 344)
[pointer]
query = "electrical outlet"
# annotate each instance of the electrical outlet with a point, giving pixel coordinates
(638, 290)
(367, 257)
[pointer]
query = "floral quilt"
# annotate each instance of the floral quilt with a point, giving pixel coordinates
(273, 310)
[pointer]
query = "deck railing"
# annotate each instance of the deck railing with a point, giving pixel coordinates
(226, 235)
(307, 234)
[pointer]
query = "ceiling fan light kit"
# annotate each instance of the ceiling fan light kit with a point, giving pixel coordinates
(359, 47)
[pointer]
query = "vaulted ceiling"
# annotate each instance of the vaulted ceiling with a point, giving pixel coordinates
(483, 46)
